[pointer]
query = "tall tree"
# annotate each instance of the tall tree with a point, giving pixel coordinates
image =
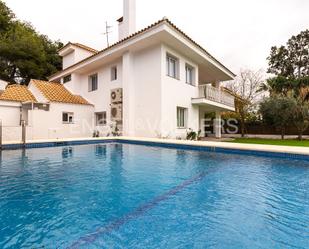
(245, 89)
(6, 16)
(291, 61)
(25, 54)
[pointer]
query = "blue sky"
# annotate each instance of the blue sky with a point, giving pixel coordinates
(237, 32)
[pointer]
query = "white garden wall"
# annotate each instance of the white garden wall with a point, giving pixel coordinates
(49, 125)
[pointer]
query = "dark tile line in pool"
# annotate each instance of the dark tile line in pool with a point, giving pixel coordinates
(159, 144)
(90, 238)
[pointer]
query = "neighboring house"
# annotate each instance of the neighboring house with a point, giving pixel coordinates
(48, 109)
(155, 82)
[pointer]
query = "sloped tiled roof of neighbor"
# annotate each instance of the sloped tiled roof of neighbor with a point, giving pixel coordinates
(56, 92)
(18, 93)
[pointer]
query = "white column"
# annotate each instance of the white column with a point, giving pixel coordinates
(128, 94)
(218, 124)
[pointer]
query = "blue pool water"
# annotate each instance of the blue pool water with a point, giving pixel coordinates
(133, 196)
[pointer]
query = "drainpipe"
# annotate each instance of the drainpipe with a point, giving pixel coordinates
(23, 133)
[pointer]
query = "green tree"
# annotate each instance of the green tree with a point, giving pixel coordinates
(290, 65)
(277, 111)
(300, 110)
(25, 54)
(291, 61)
(6, 16)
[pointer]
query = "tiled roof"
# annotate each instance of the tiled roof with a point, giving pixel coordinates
(80, 46)
(143, 31)
(18, 93)
(56, 92)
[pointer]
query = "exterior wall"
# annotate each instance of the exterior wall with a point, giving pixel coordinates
(146, 96)
(3, 84)
(177, 93)
(77, 55)
(74, 85)
(10, 117)
(49, 125)
(10, 113)
(68, 60)
(37, 94)
(101, 97)
(46, 124)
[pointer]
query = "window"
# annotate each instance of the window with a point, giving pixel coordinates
(67, 117)
(67, 78)
(189, 74)
(172, 65)
(181, 117)
(114, 73)
(100, 118)
(93, 83)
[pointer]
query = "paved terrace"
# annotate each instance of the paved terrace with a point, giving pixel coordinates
(211, 144)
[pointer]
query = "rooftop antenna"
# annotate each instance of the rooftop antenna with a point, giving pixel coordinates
(107, 32)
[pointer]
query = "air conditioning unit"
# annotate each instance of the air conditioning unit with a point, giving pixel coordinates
(116, 96)
(116, 112)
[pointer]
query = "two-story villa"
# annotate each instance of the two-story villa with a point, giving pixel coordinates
(154, 82)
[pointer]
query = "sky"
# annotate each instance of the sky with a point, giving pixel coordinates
(239, 33)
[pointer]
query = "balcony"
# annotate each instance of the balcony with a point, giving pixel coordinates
(215, 98)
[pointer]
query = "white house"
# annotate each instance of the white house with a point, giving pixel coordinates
(156, 82)
(166, 82)
(48, 109)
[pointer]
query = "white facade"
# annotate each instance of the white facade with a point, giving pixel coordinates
(43, 119)
(72, 54)
(3, 85)
(49, 125)
(150, 96)
(168, 84)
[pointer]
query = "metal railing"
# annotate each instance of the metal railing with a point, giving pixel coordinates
(214, 94)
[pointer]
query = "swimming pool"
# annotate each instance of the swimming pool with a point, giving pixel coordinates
(133, 196)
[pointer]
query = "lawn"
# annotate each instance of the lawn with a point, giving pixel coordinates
(286, 142)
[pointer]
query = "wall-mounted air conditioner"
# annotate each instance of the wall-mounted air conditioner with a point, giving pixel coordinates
(116, 96)
(116, 112)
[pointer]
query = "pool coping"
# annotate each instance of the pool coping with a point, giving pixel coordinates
(211, 146)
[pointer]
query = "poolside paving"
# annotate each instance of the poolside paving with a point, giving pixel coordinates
(212, 144)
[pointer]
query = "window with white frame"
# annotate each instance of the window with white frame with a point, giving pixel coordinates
(100, 118)
(190, 74)
(114, 73)
(172, 66)
(181, 117)
(93, 83)
(68, 117)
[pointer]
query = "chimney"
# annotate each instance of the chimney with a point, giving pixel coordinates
(127, 23)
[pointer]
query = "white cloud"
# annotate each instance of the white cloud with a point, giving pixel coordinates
(237, 32)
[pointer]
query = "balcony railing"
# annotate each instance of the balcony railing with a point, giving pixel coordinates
(214, 94)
